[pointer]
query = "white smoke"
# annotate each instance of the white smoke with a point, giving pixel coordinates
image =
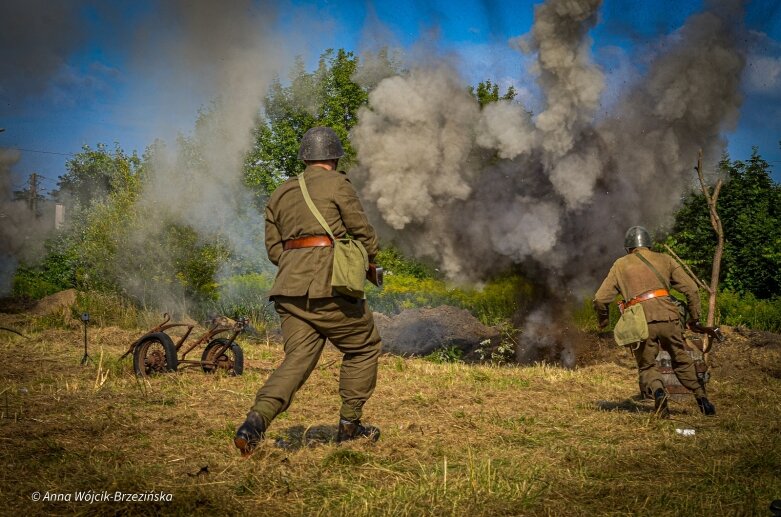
(433, 106)
(230, 52)
(22, 231)
(507, 128)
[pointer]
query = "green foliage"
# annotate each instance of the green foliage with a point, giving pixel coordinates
(750, 210)
(327, 96)
(502, 353)
(451, 354)
(486, 92)
(94, 173)
(747, 310)
(492, 304)
(100, 248)
(55, 273)
(245, 295)
(395, 263)
(195, 262)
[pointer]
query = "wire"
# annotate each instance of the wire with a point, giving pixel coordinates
(36, 151)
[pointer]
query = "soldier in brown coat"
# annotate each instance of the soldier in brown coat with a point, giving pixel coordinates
(310, 312)
(644, 276)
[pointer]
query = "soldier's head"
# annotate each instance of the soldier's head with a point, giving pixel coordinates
(637, 237)
(321, 146)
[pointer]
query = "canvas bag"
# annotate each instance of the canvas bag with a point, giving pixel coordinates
(351, 261)
(631, 327)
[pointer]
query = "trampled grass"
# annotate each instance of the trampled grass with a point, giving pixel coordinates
(457, 439)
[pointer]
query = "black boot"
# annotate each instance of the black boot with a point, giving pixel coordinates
(660, 403)
(706, 407)
(250, 434)
(350, 430)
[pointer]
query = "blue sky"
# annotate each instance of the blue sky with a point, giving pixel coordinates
(89, 95)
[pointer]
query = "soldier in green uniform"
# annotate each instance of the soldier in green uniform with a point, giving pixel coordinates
(309, 310)
(644, 276)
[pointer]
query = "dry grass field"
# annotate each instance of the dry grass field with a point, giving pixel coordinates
(457, 439)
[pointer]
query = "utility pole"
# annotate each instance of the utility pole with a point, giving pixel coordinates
(33, 193)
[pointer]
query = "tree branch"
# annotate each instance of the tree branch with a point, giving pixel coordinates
(687, 268)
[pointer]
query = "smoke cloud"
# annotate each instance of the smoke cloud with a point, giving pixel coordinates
(185, 49)
(232, 52)
(22, 231)
(476, 191)
(33, 48)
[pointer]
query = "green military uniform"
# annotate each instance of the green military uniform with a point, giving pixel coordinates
(630, 277)
(309, 311)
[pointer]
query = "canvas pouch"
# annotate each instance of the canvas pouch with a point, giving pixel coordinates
(631, 327)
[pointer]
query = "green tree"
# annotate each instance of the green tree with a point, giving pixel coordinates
(93, 173)
(486, 92)
(328, 96)
(750, 209)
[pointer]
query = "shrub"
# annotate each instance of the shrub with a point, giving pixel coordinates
(244, 295)
(747, 310)
(494, 303)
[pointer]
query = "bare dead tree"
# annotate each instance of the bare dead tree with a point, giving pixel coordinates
(712, 198)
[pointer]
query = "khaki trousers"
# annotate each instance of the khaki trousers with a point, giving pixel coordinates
(668, 336)
(306, 324)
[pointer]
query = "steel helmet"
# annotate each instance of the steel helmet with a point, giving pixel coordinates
(637, 237)
(320, 143)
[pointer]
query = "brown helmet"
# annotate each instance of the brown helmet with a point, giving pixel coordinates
(320, 143)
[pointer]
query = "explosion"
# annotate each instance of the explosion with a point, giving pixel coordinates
(479, 191)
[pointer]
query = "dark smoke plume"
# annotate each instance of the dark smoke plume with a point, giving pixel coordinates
(479, 191)
(475, 190)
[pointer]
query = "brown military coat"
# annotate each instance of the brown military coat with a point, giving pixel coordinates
(307, 271)
(630, 277)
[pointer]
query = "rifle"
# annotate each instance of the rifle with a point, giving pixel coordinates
(375, 274)
(713, 332)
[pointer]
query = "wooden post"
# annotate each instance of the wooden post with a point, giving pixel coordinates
(715, 221)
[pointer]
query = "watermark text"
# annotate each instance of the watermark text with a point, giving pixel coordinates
(102, 496)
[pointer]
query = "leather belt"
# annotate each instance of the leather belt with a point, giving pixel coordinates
(656, 293)
(312, 241)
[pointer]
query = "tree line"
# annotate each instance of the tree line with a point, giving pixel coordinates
(102, 186)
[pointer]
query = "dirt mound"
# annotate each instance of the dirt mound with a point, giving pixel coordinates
(756, 338)
(421, 331)
(54, 302)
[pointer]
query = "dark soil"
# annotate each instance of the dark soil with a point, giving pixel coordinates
(422, 331)
(16, 304)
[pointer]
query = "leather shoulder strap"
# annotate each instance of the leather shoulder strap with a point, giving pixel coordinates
(652, 268)
(313, 208)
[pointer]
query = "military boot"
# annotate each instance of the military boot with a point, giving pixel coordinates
(706, 407)
(660, 403)
(250, 434)
(350, 430)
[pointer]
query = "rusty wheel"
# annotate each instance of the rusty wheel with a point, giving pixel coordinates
(155, 354)
(222, 354)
